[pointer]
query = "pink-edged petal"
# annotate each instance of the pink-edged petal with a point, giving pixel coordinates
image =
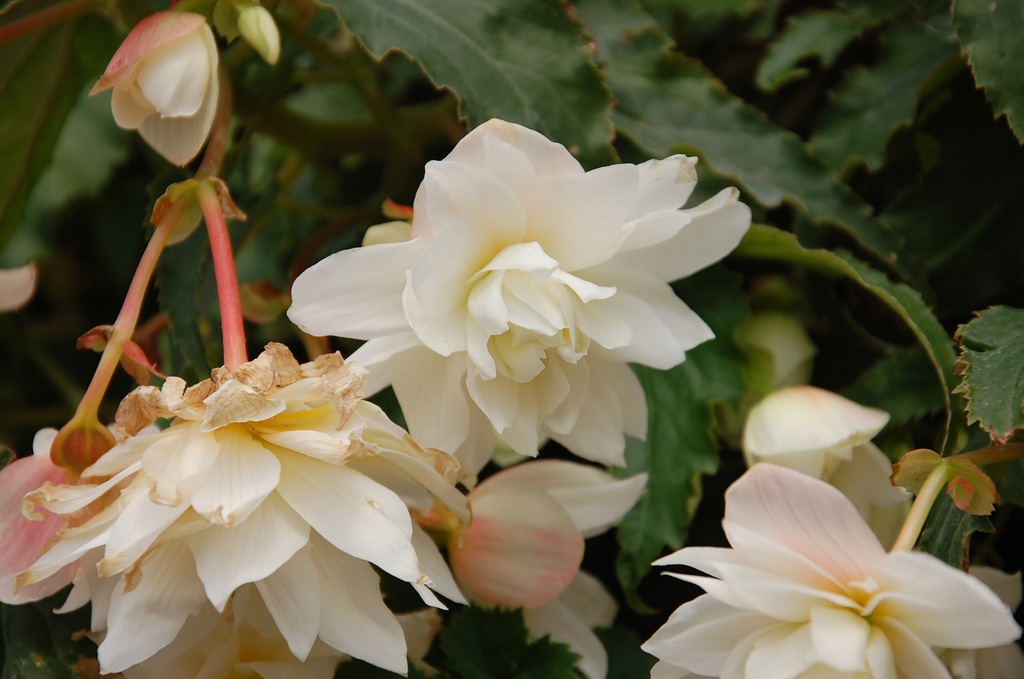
(942, 605)
(150, 34)
(24, 539)
(243, 474)
(377, 526)
(522, 549)
(292, 595)
(355, 293)
(227, 558)
(806, 516)
(353, 617)
(593, 498)
(74, 543)
(555, 620)
(714, 230)
(17, 286)
(143, 619)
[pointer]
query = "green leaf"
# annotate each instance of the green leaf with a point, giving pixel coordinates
(357, 669)
(991, 349)
(38, 643)
(948, 533)
(492, 644)
(765, 243)
(667, 103)
(810, 34)
(625, 659)
(1011, 483)
(41, 76)
(902, 383)
(990, 33)
(875, 101)
(524, 61)
(680, 445)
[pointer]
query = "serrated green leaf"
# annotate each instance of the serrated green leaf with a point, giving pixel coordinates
(680, 445)
(948, 533)
(357, 669)
(625, 659)
(525, 61)
(874, 101)
(810, 34)
(991, 36)
(992, 365)
(667, 104)
(493, 644)
(38, 643)
(765, 243)
(41, 75)
(972, 490)
(903, 384)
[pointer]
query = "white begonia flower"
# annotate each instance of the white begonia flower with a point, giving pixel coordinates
(17, 286)
(785, 354)
(277, 474)
(1001, 662)
(165, 83)
(525, 544)
(826, 436)
(808, 591)
(526, 289)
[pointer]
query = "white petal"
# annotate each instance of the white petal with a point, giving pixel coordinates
(434, 566)
(806, 516)
(914, 658)
(865, 480)
(355, 293)
(587, 599)
(548, 158)
(178, 460)
(292, 595)
(130, 108)
(142, 621)
(17, 286)
(555, 620)
(430, 389)
(175, 77)
(243, 474)
(665, 184)
(227, 558)
(137, 527)
(377, 526)
(840, 638)
(375, 356)
(353, 617)
(781, 653)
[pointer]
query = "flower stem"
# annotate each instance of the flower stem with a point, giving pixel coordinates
(217, 144)
(45, 18)
(926, 496)
(1005, 453)
(232, 325)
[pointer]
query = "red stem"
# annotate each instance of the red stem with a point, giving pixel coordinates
(232, 325)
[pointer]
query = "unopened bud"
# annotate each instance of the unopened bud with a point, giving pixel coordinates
(79, 444)
(257, 26)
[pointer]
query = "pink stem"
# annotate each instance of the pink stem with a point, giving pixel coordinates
(232, 325)
(45, 18)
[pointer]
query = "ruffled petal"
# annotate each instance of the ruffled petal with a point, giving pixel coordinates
(243, 474)
(292, 595)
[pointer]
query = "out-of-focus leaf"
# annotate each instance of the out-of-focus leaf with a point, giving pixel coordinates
(991, 36)
(38, 643)
(667, 103)
(492, 644)
(992, 365)
(765, 243)
(357, 669)
(962, 220)
(902, 384)
(524, 61)
(625, 659)
(1011, 483)
(811, 34)
(41, 76)
(949, 530)
(874, 101)
(680, 445)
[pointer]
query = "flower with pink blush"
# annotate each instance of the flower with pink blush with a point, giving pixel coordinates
(808, 591)
(165, 83)
(525, 544)
(17, 286)
(25, 537)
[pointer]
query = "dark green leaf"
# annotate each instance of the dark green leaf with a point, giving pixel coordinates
(492, 644)
(902, 384)
(524, 61)
(625, 659)
(811, 34)
(357, 669)
(992, 364)
(1011, 483)
(41, 76)
(949, 530)
(874, 101)
(38, 644)
(680, 445)
(991, 36)
(765, 243)
(667, 103)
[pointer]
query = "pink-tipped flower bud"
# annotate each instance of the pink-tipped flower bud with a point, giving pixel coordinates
(164, 78)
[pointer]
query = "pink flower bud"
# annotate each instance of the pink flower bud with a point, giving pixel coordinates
(164, 78)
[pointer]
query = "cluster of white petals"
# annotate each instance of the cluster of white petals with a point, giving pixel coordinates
(276, 474)
(165, 83)
(826, 436)
(807, 591)
(526, 289)
(525, 544)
